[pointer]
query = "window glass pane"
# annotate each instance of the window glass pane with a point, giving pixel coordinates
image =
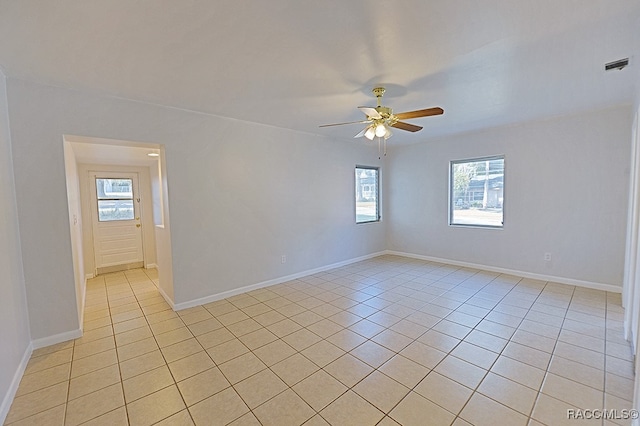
(477, 192)
(115, 199)
(110, 189)
(109, 210)
(367, 208)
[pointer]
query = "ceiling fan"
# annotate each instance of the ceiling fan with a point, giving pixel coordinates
(380, 119)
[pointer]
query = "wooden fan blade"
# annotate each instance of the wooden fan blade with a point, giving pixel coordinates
(406, 126)
(419, 113)
(341, 124)
(370, 112)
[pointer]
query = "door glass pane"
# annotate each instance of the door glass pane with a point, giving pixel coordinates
(114, 189)
(115, 210)
(115, 199)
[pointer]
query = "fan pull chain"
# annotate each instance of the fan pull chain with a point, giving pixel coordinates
(384, 153)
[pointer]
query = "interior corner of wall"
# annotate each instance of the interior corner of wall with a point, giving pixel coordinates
(9, 396)
(167, 298)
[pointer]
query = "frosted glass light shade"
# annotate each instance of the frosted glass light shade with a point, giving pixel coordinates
(370, 133)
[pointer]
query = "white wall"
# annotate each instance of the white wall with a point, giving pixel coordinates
(631, 278)
(631, 295)
(160, 195)
(76, 224)
(566, 184)
(15, 338)
(240, 195)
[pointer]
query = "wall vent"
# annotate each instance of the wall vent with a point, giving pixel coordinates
(616, 65)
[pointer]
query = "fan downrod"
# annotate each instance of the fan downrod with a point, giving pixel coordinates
(379, 92)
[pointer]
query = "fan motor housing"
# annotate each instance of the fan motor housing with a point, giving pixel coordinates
(384, 111)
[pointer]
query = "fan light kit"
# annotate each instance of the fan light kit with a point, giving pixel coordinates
(380, 119)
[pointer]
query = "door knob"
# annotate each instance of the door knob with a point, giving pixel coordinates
(137, 225)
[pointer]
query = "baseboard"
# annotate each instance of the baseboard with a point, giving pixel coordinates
(229, 293)
(119, 268)
(17, 377)
(151, 266)
(88, 276)
(562, 280)
(56, 338)
(83, 302)
(280, 280)
(166, 298)
(629, 337)
(13, 388)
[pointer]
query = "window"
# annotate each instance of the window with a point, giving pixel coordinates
(367, 194)
(115, 199)
(476, 192)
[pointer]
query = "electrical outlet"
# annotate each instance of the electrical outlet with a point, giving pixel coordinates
(284, 258)
(547, 257)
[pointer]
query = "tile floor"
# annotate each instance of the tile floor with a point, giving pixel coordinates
(385, 341)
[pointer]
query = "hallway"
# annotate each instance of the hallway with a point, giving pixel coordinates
(387, 341)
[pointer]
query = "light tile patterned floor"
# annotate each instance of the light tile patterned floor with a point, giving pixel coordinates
(385, 341)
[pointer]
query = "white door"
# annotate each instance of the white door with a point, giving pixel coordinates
(117, 228)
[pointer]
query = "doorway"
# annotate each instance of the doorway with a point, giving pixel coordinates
(116, 221)
(118, 159)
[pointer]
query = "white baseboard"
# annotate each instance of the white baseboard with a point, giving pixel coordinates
(83, 302)
(280, 280)
(13, 388)
(562, 280)
(88, 276)
(56, 338)
(166, 298)
(151, 266)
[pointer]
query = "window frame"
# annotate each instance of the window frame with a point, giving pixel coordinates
(451, 202)
(377, 194)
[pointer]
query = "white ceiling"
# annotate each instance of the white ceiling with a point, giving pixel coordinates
(298, 64)
(90, 150)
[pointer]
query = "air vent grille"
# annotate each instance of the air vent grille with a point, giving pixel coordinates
(616, 65)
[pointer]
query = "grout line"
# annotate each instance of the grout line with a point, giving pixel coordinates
(389, 288)
(539, 391)
(166, 364)
(457, 415)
